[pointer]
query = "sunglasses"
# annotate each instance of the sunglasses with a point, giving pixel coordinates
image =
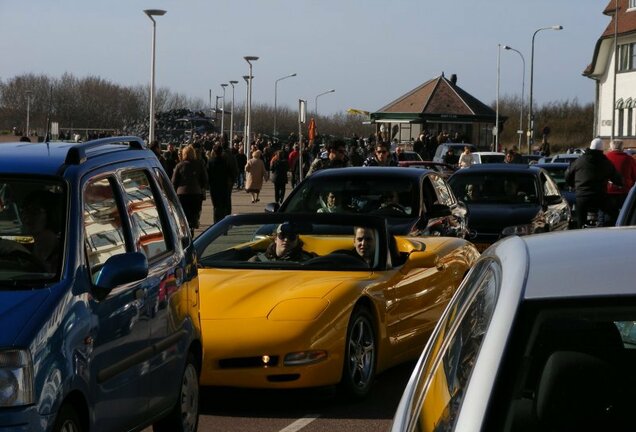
(288, 237)
(381, 151)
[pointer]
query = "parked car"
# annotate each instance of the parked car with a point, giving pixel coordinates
(314, 313)
(509, 199)
(442, 149)
(530, 158)
(488, 157)
(414, 202)
(560, 158)
(99, 299)
(627, 215)
(520, 350)
(407, 157)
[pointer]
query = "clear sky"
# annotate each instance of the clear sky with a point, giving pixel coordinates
(369, 51)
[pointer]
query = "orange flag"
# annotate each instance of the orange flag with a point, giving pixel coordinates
(311, 129)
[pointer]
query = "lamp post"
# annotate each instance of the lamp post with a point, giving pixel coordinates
(246, 144)
(530, 114)
(276, 98)
(316, 101)
(523, 85)
(232, 83)
(151, 129)
(28, 95)
(223, 113)
(497, 99)
(250, 77)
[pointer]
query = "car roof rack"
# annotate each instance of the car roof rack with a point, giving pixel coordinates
(77, 154)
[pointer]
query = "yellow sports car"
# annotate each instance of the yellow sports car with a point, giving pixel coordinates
(300, 300)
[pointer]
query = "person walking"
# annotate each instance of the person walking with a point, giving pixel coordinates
(381, 156)
(466, 158)
(589, 174)
(292, 160)
(189, 180)
(255, 174)
(241, 161)
(335, 158)
(279, 167)
(626, 167)
(221, 179)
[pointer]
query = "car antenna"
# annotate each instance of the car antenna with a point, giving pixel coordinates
(47, 136)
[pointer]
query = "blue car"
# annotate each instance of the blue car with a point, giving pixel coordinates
(98, 291)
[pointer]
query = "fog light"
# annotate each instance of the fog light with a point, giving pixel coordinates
(304, 358)
(265, 360)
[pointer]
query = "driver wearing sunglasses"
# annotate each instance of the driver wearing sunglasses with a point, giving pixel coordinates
(286, 247)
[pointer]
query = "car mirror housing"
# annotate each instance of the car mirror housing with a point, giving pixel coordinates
(421, 259)
(439, 210)
(553, 199)
(272, 207)
(119, 270)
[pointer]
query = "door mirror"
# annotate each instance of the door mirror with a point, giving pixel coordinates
(439, 210)
(420, 259)
(119, 270)
(272, 207)
(553, 199)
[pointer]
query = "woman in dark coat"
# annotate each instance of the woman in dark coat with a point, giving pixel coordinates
(279, 167)
(221, 178)
(189, 180)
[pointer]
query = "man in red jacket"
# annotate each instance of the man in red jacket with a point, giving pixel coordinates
(626, 167)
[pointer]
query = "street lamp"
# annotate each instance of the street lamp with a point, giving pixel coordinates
(523, 85)
(232, 83)
(530, 114)
(250, 77)
(246, 145)
(316, 101)
(275, 99)
(28, 95)
(497, 99)
(151, 129)
(223, 113)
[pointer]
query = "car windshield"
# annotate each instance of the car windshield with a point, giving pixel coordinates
(558, 175)
(292, 246)
(495, 188)
(485, 158)
(32, 221)
(386, 196)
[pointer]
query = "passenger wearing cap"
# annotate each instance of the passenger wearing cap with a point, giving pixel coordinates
(589, 175)
(286, 247)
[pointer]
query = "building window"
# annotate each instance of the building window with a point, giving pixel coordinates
(632, 4)
(621, 118)
(627, 57)
(629, 121)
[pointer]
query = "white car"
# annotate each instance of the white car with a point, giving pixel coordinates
(540, 336)
(488, 157)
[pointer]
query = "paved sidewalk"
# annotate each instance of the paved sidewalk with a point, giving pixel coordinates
(241, 203)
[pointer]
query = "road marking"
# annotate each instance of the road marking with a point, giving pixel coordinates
(300, 423)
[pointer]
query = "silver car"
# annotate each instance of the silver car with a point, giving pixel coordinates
(541, 335)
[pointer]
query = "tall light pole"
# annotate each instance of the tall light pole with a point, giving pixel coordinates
(523, 85)
(28, 95)
(316, 101)
(246, 144)
(276, 99)
(223, 111)
(151, 128)
(248, 130)
(232, 83)
(497, 99)
(530, 114)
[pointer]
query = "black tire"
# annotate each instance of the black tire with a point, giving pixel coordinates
(358, 371)
(67, 420)
(184, 417)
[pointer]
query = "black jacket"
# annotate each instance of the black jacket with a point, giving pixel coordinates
(590, 172)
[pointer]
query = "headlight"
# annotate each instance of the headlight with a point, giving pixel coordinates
(519, 230)
(16, 378)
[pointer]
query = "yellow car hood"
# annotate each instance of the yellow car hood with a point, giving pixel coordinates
(243, 294)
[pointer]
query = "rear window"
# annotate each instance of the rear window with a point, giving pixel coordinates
(495, 188)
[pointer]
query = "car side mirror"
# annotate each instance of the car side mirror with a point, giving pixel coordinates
(272, 207)
(119, 270)
(421, 259)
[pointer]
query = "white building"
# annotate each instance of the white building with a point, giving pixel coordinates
(618, 109)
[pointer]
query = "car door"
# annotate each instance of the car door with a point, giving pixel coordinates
(446, 217)
(556, 209)
(165, 302)
(121, 337)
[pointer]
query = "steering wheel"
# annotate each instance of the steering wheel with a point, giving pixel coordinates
(390, 208)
